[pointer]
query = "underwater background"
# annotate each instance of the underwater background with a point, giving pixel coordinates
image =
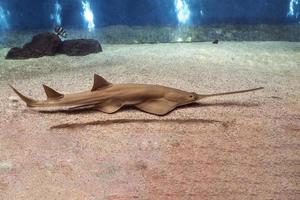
(232, 147)
(151, 21)
(36, 14)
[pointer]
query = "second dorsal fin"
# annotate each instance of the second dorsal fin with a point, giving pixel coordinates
(99, 82)
(52, 94)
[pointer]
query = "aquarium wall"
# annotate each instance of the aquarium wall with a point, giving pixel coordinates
(144, 21)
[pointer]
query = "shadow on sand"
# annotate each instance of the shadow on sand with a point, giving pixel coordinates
(160, 120)
(128, 121)
(192, 105)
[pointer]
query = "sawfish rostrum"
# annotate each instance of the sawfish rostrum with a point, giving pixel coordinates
(109, 98)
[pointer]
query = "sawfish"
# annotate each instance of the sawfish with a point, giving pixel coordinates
(109, 98)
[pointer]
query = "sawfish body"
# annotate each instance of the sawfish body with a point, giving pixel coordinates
(109, 98)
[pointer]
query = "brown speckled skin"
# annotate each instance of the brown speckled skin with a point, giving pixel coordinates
(109, 98)
(162, 99)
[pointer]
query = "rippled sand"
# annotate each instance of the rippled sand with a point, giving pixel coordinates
(244, 146)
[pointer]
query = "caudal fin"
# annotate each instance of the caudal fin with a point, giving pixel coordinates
(27, 100)
(201, 96)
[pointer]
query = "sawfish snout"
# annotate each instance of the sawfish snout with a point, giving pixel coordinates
(201, 96)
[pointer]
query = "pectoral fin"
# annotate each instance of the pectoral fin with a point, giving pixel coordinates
(157, 106)
(110, 106)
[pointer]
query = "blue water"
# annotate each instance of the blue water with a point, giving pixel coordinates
(39, 14)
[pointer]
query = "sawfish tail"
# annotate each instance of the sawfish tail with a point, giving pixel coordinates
(201, 96)
(27, 100)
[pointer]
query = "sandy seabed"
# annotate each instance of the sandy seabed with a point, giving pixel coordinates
(244, 146)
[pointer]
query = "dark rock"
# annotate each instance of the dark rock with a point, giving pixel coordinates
(49, 44)
(215, 42)
(16, 53)
(80, 47)
(44, 44)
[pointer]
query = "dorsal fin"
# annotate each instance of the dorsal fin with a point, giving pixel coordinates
(52, 94)
(99, 82)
